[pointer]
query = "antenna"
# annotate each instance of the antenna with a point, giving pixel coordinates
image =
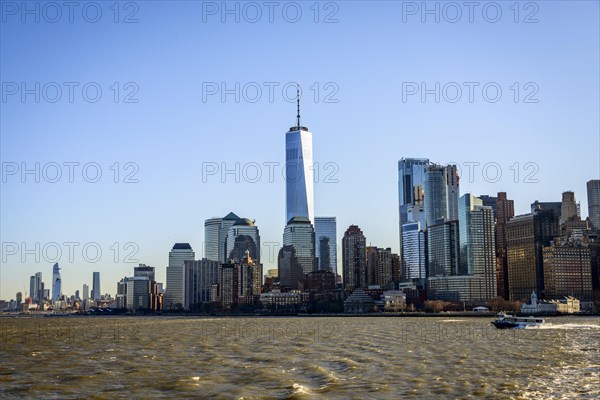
(298, 101)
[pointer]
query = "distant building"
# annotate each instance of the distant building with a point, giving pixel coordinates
(505, 210)
(96, 291)
(354, 258)
(411, 184)
(243, 236)
(379, 266)
(593, 195)
(326, 243)
(565, 305)
(200, 276)
(56, 283)
(179, 254)
(299, 234)
(319, 281)
(436, 194)
(568, 208)
(526, 236)
(250, 280)
(299, 173)
(86, 291)
(229, 285)
(443, 248)
(140, 291)
(359, 302)
(568, 271)
(290, 271)
(489, 201)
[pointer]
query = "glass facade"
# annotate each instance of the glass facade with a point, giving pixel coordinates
(299, 234)
(413, 245)
(326, 243)
(299, 174)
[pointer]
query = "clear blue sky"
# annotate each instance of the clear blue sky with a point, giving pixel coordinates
(170, 132)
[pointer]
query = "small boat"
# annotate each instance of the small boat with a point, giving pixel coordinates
(507, 321)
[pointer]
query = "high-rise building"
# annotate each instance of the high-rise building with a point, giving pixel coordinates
(299, 233)
(19, 299)
(86, 291)
(299, 174)
(411, 202)
(490, 201)
(354, 258)
(180, 253)
(38, 288)
(379, 266)
(453, 191)
(243, 236)
(229, 285)
(413, 245)
(326, 243)
(32, 288)
(555, 206)
(443, 248)
(212, 227)
(200, 276)
(56, 283)
(505, 210)
(477, 245)
(467, 204)
(139, 292)
(289, 270)
(226, 223)
(441, 193)
(250, 280)
(526, 236)
(568, 271)
(593, 196)
(568, 209)
(96, 291)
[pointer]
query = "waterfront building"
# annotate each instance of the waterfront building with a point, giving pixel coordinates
(242, 237)
(354, 258)
(200, 276)
(505, 210)
(568, 271)
(593, 196)
(326, 243)
(174, 296)
(96, 291)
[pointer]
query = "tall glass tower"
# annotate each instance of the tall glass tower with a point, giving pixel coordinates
(326, 243)
(299, 175)
(56, 283)
(96, 286)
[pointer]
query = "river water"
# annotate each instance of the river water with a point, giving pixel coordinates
(287, 357)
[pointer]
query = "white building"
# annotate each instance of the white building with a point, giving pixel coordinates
(299, 174)
(174, 296)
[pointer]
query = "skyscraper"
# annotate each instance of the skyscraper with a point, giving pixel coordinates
(505, 210)
(413, 246)
(212, 226)
(96, 286)
(200, 276)
(443, 248)
(56, 283)
(526, 237)
(568, 208)
(226, 223)
(86, 291)
(379, 267)
(436, 194)
(243, 236)
(593, 195)
(180, 253)
(354, 258)
(299, 233)
(326, 243)
(299, 175)
(411, 184)
(467, 204)
(453, 191)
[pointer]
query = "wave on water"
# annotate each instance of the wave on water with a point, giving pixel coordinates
(550, 325)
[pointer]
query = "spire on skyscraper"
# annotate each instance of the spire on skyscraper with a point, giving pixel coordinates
(298, 102)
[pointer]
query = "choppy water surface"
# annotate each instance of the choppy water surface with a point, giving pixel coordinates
(169, 357)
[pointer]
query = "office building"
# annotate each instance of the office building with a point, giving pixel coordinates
(299, 174)
(56, 283)
(568, 208)
(243, 237)
(443, 248)
(96, 290)
(593, 196)
(200, 276)
(568, 271)
(299, 234)
(505, 210)
(354, 258)
(180, 253)
(326, 243)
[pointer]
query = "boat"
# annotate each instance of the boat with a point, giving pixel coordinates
(507, 321)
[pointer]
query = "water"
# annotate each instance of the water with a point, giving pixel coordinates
(278, 358)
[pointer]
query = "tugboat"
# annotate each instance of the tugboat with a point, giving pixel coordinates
(507, 321)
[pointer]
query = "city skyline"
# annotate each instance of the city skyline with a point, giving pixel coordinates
(353, 119)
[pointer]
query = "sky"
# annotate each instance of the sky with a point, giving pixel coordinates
(138, 121)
